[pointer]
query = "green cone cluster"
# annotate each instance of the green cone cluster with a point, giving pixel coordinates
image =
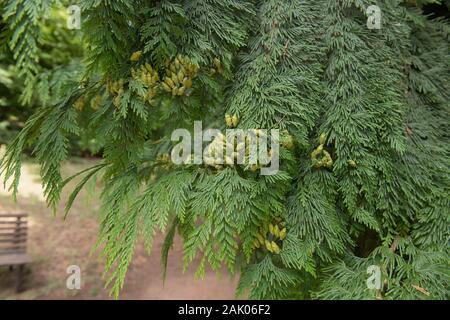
(96, 102)
(80, 103)
(231, 120)
(218, 68)
(216, 152)
(116, 89)
(179, 76)
(287, 141)
(149, 78)
(325, 160)
(271, 236)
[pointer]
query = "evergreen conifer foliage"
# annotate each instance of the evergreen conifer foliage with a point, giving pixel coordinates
(20, 32)
(364, 157)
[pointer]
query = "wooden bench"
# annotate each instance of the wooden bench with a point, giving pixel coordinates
(13, 244)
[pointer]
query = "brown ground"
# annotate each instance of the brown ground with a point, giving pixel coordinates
(54, 244)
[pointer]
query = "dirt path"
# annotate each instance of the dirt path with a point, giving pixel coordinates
(148, 283)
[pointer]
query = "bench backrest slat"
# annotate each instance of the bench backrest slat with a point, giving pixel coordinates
(13, 233)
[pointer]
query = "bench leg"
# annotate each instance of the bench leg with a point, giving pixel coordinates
(20, 278)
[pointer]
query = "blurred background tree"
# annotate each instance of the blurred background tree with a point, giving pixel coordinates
(59, 69)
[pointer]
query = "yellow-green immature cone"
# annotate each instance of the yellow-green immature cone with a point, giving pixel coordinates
(169, 82)
(283, 233)
(319, 148)
(329, 163)
(143, 77)
(352, 163)
(155, 78)
(275, 247)
(260, 238)
(148, 80)
(187, 83)
(268, 245)
(263, 231)
(174, 78)
(322, 138)
(79, 104)
(319, 164)
(271, 230)
(116, 101)
(228, 120)
(166, 87)
(180, 76)
(276, 231)
(235, 120)
(229, 160)
(151, 93)
(136, 56)
(288, 142)
(314, 154)
(181, 91)
(217, 63)
(96, 102)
